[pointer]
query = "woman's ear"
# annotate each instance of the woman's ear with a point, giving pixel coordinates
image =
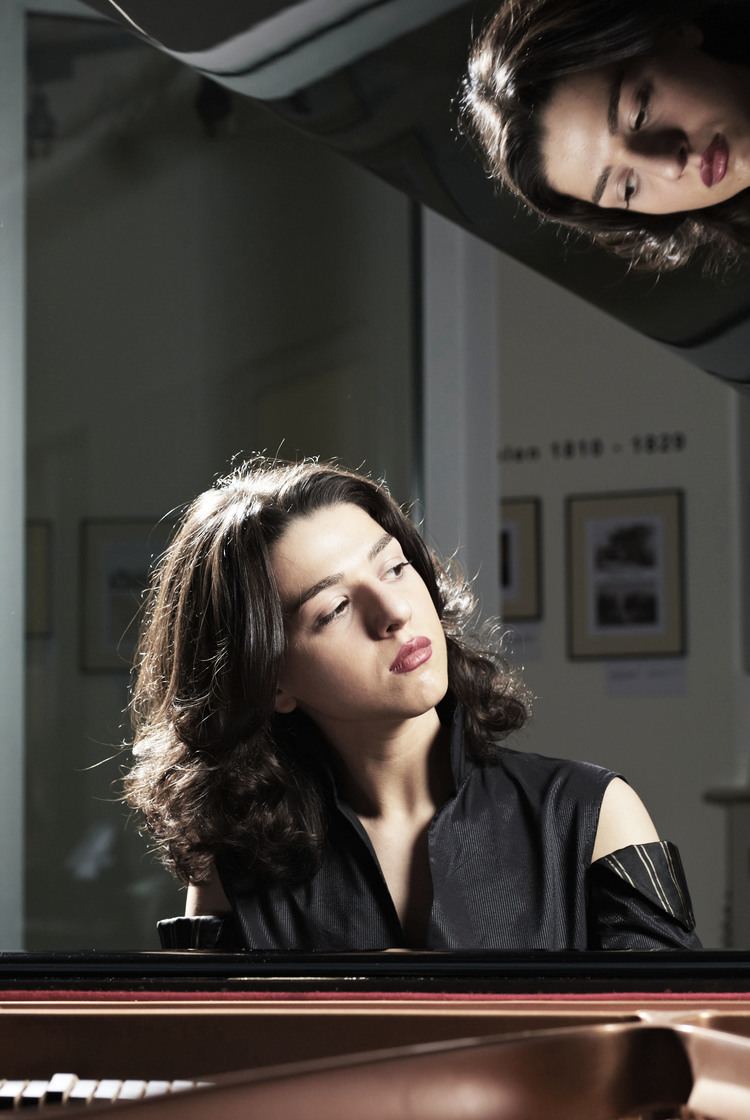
(285, 702)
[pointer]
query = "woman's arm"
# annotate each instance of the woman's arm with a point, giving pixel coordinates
(623, 820)
(207, 898)
(637, 894)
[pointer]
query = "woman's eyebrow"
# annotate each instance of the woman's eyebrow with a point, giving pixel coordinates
(613, 107)
(337, 577)
(613, 117)
(601, 183)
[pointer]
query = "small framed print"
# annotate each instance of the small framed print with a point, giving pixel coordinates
(520, 559)
(116, 558)
(38, 579)
(626, 583)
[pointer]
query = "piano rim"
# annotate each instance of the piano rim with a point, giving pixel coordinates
(388, 972)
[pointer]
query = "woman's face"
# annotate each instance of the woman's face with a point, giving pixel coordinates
(666, 132)
(364, 641)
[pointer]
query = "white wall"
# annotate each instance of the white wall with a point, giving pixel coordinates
(571, 372)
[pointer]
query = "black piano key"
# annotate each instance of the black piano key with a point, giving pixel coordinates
(58, 1087)
(10, 1092)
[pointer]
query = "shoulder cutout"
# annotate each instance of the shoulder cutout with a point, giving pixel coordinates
(623, 820)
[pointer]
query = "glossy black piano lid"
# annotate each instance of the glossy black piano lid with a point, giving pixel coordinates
(503, 973)
(387, 104)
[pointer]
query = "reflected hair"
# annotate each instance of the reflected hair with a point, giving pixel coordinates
(216, 769)
(525, 48)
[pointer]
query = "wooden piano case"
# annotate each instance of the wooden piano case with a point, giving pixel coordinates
(393, 1035)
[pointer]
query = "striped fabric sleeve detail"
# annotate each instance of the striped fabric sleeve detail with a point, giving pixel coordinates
(647, 862)
(638, 898)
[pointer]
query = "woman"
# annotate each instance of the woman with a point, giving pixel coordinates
(628, 120)
(317, 753)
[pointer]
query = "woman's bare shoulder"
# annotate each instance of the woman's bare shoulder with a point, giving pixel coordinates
(623, 820)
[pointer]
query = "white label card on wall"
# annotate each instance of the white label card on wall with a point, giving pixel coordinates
(657, 677)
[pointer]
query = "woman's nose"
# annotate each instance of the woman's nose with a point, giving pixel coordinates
(390, 610)
(663, 153)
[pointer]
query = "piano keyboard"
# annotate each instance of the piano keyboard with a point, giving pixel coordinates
(66, 1088)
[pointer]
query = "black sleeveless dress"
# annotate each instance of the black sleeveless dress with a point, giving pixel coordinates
(510, 860)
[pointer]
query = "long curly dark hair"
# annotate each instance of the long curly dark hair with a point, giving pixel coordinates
(514, 64)
(216, 769)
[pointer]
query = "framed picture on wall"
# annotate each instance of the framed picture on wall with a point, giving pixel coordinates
(626, 582)
(116, 557)
(38, 579)
(520, 559)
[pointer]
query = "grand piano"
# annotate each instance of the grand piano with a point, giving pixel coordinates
(395, 1035)
(392, 1036)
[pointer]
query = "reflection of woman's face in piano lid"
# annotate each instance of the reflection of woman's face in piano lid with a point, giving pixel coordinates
(664, 133)
(364, 641)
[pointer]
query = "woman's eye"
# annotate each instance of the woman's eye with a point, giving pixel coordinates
(397, 569)
(644, 96)
(631, 188)
(337, 611)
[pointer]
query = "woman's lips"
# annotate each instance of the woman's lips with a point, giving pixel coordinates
(714, 161)
(411, 655)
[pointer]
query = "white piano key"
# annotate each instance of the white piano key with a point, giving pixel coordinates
(156, 1088)
(82, 1091)
(58, 1087)
(181, 1086)
(107, 1089)
(10, 1092)
(131, 1090)
(33, 1094)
